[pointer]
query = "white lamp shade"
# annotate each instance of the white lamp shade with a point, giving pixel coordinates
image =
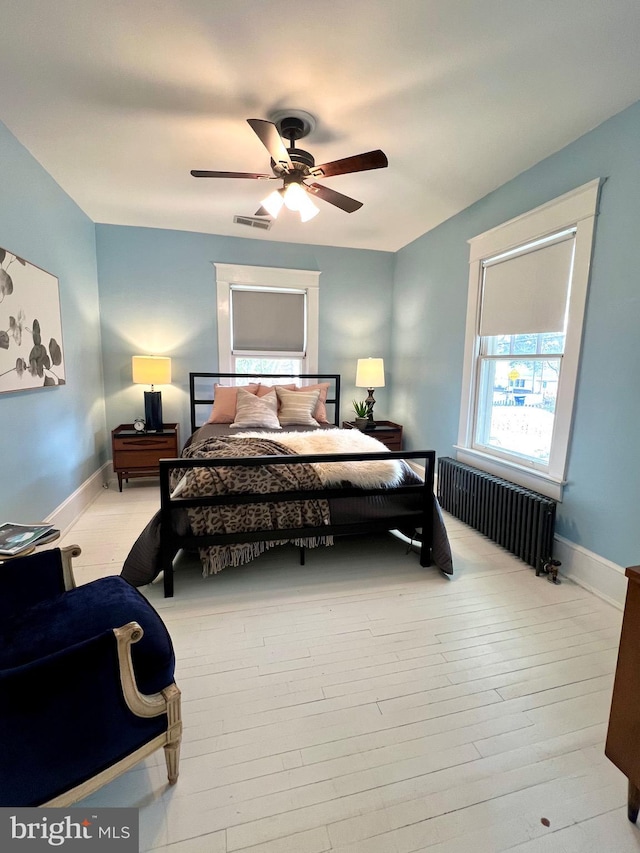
(273, 203)
(370, 373)
(307, 209)
(295, 198)
(151, 369)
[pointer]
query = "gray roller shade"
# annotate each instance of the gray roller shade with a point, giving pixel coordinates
(268, 321)
(527, 293)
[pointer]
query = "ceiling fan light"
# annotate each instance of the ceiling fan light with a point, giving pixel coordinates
(294, 196)
(273, 203)
(307, 209)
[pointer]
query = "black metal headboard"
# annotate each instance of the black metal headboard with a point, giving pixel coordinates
(201, 389)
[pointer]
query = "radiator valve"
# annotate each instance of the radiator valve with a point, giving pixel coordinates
(550, 568)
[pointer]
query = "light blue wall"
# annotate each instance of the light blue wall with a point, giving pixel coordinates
(51, 439)
(158, 296)
(602, 498)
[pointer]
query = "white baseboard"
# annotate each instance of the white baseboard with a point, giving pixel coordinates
(591, 571)
(67, 513)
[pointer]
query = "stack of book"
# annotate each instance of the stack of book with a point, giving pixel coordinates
(16, 538)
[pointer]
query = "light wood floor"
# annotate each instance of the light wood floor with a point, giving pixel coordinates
(362, 704)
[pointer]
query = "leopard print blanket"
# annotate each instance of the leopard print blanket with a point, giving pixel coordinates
(201, 482)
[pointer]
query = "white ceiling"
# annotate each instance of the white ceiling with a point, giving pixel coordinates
(119, 99)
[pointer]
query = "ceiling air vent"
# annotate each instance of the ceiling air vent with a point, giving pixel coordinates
(253, 222)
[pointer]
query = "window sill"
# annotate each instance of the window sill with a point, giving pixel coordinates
(528, 478)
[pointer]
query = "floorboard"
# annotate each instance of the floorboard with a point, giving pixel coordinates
(363, 704)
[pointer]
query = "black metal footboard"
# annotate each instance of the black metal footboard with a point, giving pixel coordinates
(417, 510)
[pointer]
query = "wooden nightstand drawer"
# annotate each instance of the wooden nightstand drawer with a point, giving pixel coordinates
(392, 440)
(141, 443)
(388, 432)
(138, 454)
(140, 458)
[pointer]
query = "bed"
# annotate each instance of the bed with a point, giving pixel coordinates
(267, 464)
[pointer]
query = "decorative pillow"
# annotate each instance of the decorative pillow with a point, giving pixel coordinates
(320, 413)
(265, 389)
(224, 402)
(256, 412)
(297, 407)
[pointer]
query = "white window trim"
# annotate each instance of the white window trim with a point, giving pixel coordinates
(577, 208)
(276, 277)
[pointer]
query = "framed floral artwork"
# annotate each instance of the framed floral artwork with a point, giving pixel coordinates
(31, 354)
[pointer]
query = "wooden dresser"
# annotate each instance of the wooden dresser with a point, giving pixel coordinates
(623, 736)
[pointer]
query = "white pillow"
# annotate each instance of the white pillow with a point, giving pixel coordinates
(297, 407)
(256, 412)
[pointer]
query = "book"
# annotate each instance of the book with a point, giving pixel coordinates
(15, 538)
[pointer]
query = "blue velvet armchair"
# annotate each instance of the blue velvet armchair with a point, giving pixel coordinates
(86, 682)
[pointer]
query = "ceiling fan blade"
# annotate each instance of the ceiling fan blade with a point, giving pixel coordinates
(358, 163)
(262, 211)
(267, 133)
(349, 205)
(197, 173)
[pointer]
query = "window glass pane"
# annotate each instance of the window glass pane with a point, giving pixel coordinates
(551, 342)
(529, 344)
(499, 345)
(516, 406)
(260, 365)
(524, 344)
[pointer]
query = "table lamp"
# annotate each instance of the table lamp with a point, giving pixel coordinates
(151, 370)
(370, 375)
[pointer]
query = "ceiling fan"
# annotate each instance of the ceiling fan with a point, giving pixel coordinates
(294, 166)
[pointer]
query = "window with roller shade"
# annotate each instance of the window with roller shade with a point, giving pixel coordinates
(527, 293)
(268, 330)
(522, 334)
(267, 319)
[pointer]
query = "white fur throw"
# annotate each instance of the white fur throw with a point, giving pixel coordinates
(368, 474)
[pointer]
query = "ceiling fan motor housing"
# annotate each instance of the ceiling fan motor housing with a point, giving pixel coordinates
(297, 155)
(293, 127)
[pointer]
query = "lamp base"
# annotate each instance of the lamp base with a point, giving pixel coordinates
(370, 401)
(153, 411)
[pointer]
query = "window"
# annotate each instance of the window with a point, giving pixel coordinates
(527, 291)
(268, 329)
(267, 319)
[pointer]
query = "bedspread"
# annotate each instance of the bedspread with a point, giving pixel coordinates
(144, 561)
(264, 479)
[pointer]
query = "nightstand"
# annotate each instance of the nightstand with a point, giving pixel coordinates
(387, 432)
(137, 454)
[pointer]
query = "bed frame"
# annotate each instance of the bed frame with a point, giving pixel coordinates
(420, 516)
(201, 394)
